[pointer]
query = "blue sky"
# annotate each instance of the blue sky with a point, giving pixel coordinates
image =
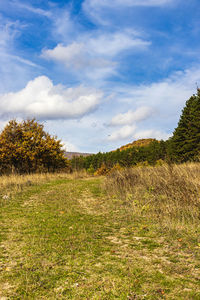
(99, 74)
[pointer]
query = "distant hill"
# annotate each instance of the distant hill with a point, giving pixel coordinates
(138, 143)
(71, 155)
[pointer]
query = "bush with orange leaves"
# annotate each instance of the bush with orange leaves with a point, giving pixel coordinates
(25, 148)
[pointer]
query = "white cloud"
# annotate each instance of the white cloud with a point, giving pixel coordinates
(98, 10)
(160, 102)
(96, 56)
(167, 97)
(151, 133)
(41, 99)
(131, 132)
(69, 147)
(131, 116)
(113, 44)
(123, 133)
(64, 27)
(8, 32)
(19, 59)
(14, 69)
(64, 54)
(76, 56)
(78, 60)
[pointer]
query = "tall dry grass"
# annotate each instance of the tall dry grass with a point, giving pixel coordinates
(169, 194)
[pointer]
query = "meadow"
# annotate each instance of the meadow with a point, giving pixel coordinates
(133, 234)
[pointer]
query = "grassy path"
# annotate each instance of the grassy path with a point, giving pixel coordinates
(67, 240)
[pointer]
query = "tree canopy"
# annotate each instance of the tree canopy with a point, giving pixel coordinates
(131, 156)
(185, 142)
(25, 147)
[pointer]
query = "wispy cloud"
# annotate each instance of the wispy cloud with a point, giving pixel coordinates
(14, 68)
(8, 31)
(32, 9)
(98, 10)
(167, 94)
(111, 44)
(128, 3)
(19, 59)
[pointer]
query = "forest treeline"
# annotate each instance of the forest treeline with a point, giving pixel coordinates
(26, 148)
(183, 146)
(150, 154)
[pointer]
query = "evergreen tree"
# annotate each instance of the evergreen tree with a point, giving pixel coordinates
(185, 143)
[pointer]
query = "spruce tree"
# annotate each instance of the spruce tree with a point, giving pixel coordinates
(185, 142)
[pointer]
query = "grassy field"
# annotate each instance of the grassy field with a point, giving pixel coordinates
(101, 238)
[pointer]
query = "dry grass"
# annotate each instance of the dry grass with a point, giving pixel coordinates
(169, 194)
(64, 238)
(11, 184)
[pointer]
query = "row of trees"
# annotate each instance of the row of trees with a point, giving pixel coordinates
(25, 147)
(125, 158)
(183, 146)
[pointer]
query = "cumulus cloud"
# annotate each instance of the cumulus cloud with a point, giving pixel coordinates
(131, 132)
(43, 100)
(151, 133)
(123, 133)
(67, 146)
(95, 55)
(131, 116)
(75, 55)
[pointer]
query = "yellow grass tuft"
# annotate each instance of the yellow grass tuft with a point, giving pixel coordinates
(169, 194)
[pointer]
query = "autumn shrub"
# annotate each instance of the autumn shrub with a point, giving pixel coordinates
(26, 148)
(115, 168)
(103, 170)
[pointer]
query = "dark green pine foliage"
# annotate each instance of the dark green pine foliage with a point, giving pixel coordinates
(151, 153)
(185, 142)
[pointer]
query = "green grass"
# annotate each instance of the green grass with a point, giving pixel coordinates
(66, 239)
